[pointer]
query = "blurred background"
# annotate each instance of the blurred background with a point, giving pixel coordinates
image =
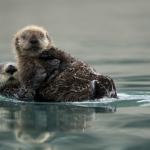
(111, 35)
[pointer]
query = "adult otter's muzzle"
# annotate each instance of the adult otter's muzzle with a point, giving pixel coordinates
(11, 69)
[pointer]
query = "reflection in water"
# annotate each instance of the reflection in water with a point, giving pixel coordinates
(42, 124)
(35, 124)
(60, 126)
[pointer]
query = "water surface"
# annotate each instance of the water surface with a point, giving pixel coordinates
(111, 35)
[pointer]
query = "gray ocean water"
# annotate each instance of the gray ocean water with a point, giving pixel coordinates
(111, 35)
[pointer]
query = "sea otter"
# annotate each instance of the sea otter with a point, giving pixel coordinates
(9, 80)
(70, 80)
(29, 43)
(10, 85)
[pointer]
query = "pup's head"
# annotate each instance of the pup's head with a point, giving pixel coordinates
(31, 40)
(8, 75)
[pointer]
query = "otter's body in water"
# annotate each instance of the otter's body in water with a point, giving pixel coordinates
(68, 80)
(77, 82)
(61, 88)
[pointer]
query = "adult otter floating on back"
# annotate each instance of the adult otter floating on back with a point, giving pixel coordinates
(73, 79)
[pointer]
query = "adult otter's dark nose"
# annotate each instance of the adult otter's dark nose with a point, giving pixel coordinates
(11, 69)
(34, 41)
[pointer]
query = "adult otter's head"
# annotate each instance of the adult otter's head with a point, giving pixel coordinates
(31, 40)
(8, 75)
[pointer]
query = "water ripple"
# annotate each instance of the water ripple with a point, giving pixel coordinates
(105, 104)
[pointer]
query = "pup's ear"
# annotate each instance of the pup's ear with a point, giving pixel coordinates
(51, 42)
(16, 42)
(48, 37)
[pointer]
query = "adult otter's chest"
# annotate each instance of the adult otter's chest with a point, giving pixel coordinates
(10, 90)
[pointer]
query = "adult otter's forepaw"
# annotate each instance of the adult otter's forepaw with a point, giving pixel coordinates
(25, 94)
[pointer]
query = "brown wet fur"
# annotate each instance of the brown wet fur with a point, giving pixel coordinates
(32, 69)
(75, 84)
(55, 75)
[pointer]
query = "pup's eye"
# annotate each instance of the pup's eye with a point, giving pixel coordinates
(41, 35)
(23, 37)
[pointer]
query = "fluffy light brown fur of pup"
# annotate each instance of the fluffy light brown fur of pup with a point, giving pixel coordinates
(29, 42)
(22, 43)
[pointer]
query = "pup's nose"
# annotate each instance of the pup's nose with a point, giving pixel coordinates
(34, 41)
(11, 69)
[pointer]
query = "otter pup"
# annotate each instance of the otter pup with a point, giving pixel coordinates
(29, 43)
(69, 80)
(9, 83)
